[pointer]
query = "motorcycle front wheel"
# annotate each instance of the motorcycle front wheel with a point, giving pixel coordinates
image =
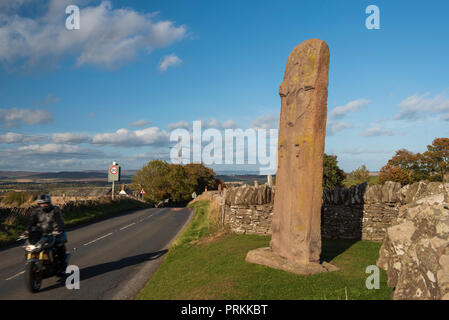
(33, 279)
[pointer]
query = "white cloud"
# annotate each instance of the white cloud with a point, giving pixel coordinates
(179, 125)
(376, 131)
(16, 117)
(418, 107)
(169, 61)
(70, 138)
(229, 124)
(127, 138)
(107, 37)
(266, 122)
(211, 123)
(216, 124)
(19, 138)
(342, 111)
(8, 5)
(140, 123)
(50, 99)
(334, 124)
(51, 150)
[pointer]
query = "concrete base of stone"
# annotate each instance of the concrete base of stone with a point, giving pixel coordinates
(266, 257)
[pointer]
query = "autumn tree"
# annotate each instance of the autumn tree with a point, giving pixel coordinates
(333, 176)
(404, 167)
(393, 173)
(437, 157)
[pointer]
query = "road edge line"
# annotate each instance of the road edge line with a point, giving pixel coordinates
(141, 278)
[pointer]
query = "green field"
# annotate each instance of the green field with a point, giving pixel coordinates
(198, 268)
(348, 182)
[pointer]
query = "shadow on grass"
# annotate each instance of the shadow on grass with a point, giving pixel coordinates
(331, 248)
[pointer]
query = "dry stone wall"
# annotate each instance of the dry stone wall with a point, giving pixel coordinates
(360, 212)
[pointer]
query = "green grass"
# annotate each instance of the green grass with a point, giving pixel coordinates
(200, 226)
(348, 182)
(73, 216)
(218, 270)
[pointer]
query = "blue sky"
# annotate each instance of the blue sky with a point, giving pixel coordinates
(64, 94)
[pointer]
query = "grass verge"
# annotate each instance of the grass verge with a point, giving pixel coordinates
(203, 224)
(195, 269)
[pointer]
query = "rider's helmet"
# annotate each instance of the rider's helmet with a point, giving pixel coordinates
(44, 198)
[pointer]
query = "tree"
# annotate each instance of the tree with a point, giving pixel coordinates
(181, 186)
(201, 176)
(333, 176)
(405, 167)
(359, 175)
(393, 173)
(175, 182)
(437, 157)
(153, 178)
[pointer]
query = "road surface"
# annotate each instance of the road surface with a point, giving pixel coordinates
(115, 256)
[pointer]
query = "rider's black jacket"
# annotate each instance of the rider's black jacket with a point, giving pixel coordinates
(48, 219)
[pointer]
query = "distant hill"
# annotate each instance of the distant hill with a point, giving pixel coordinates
(242, 176)
(69, 175)
(16, 174)
(62, 175)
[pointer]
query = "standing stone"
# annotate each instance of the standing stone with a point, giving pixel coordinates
(256, 183)
(296, 237)
(270, 180)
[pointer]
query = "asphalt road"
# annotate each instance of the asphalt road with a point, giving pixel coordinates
(115, 256)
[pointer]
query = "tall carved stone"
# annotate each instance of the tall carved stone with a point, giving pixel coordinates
(296, 237)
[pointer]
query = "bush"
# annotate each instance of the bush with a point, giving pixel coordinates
(175, 182)
(333, 176)
(14, 198)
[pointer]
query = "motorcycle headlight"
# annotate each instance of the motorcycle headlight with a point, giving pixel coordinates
(32, 247)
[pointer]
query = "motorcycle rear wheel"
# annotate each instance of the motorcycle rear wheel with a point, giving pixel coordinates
(33, 279)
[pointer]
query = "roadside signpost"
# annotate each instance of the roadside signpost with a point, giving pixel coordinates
(114, 175)
(142, 192)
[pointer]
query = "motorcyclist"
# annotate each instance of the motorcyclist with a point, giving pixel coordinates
(48, 219)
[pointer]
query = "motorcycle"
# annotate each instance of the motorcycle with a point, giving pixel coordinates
(41, 259)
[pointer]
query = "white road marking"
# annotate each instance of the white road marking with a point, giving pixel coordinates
(129, 225)
(16, 275)
(106, 235)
